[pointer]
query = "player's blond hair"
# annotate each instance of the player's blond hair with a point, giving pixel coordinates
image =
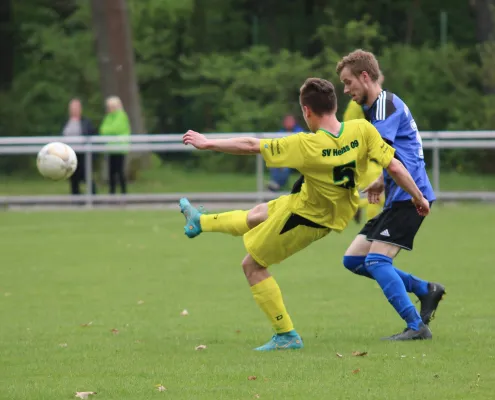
(318, 95)
(361, 61)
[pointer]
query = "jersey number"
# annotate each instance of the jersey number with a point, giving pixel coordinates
(342, 172)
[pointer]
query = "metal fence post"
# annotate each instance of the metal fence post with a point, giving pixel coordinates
(260, 168)
(259, 177)
(88, 173)
(436, 163)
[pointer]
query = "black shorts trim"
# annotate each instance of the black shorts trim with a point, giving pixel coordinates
(296, 188)
(397, 225)
(295, 220)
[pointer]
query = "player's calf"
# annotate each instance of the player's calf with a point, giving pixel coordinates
(382, 270)
(268, 296)
(235, 223)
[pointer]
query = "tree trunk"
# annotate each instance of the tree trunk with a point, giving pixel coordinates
(411, 16)
(6, 45)
(116, 57)
(484, 19)
(200, 27)
(484, 11)
(108, 85)
(116, 63)
(64, 8)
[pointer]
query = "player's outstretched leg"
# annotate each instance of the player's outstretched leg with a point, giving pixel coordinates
(232, 222)
(267, 295)
(235, 223)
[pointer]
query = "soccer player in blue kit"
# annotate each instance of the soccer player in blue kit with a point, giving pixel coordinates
(372, 252)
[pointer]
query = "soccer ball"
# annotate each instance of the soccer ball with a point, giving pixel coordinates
(56, 161)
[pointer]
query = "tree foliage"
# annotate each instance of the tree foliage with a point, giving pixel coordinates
(237, 65)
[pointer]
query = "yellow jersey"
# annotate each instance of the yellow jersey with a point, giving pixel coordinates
(355, 111)
(332, 166)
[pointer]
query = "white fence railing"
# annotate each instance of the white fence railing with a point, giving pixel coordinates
(173, 142)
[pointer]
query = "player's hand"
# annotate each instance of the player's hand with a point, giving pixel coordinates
(196, 139)
(422, 206)
(374, 191)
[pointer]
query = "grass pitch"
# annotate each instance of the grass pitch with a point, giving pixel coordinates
(173, 179)
(127, 275)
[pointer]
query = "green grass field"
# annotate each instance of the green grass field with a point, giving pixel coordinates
(134, 272)
(172, 179)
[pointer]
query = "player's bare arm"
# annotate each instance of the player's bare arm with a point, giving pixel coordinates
(239, 146)
(402, 177)
(375, 189)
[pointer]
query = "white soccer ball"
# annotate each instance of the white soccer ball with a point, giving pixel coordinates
(56, 161)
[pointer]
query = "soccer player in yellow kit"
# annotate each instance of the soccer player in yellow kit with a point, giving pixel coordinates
(332, 161)
(355, 111)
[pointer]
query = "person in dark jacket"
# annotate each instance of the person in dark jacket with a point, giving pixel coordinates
(77, 125)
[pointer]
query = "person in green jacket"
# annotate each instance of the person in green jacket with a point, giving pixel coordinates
(116, 123)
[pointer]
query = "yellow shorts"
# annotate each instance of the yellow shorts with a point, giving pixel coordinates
(282, 234)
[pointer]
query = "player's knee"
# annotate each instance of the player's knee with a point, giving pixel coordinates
(257, 215)
(375, 261)
(248, 265)
(353, 263)
(254, 272)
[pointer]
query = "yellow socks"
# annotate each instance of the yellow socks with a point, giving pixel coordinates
(233, 222)
(268, 296)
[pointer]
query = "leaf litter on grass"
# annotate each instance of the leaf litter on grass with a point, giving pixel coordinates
(84, 395)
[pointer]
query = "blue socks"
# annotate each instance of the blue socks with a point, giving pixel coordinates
(381, 269)
(394, 283)
(355, 264)
(414, 285)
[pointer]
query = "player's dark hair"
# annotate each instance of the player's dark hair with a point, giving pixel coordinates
(319, 96)
(360, 61)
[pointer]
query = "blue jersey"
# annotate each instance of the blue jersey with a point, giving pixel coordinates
(392, 118)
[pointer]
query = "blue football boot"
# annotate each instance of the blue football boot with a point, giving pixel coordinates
(192, 214)
(285, 341)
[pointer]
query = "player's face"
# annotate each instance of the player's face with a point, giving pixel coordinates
(355, 86)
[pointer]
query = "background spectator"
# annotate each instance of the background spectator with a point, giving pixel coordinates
(77, 125)
(116, 123)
